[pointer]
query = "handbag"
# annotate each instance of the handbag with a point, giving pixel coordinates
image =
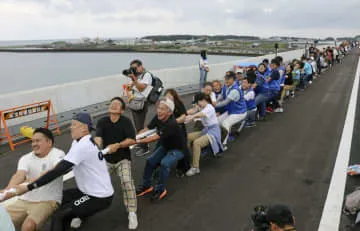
(137, 104)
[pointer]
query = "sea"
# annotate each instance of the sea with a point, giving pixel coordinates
(25, 71)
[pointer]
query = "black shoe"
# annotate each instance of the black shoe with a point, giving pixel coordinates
(180, 173)
(142, 190)
(158, 195)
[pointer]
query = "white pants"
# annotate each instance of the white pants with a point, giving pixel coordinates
(227, 121)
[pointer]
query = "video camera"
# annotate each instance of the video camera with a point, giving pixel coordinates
(259, 219)
(131, 70)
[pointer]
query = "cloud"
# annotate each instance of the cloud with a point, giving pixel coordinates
(42, 19)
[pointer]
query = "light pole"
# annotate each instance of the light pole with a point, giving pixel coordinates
(276, 48)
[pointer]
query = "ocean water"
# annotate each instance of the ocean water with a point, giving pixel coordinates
(25, 71)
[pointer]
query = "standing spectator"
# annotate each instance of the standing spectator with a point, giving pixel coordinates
(33, 208)
(180, 115)
(234, 102)
(141, 85)
(117, 133)
(203, 67)
(168, 152)
(210, 135)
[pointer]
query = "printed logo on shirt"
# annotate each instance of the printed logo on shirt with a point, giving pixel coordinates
(100, 155)
(81, 200)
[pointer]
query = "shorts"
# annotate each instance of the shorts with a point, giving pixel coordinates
(39, 212)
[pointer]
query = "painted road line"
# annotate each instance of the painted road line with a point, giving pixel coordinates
(330, 219)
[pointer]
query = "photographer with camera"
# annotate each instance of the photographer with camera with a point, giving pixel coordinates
(140, 87)
(277, 217)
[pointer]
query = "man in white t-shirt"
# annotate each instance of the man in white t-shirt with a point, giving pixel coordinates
(32, 209)
(141, 85)
(94, 191)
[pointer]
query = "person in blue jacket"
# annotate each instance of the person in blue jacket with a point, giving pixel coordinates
(308, 71)
(273, 81)
(261, 88)
(233, 101)
(249, 96)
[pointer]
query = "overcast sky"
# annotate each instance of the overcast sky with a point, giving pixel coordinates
(52, 19)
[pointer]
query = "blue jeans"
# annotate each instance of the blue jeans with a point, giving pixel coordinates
(166, 159)
(262, 98)
(203, 76)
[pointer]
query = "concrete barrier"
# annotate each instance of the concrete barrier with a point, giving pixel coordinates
(69, 96)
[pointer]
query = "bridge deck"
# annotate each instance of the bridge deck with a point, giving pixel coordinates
(289, 158)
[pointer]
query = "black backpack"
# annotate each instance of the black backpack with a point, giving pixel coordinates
(157, 89)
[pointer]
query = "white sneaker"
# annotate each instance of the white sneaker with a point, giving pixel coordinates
(193, 171)
(279, 109)
(133, 221)
(310, 82)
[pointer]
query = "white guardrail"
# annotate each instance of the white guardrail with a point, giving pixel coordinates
(73, 95)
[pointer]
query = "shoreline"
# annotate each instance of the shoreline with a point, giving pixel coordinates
(52, 50)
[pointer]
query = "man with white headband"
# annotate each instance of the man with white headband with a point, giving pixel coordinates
(169, 150)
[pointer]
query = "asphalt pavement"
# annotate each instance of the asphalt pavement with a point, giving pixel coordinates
(288, 158)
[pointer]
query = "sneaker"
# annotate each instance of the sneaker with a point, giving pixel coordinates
(279, 110)
(142, 151)
(310, 82)
(250, 125)
(292, 94)
(225, 148)
(269, 110)
(158, 195)
(133, 221)
(231, 138)
(261, 118)
(193, 171)
(142, 190)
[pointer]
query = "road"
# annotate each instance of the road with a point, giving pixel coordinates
(288, 158)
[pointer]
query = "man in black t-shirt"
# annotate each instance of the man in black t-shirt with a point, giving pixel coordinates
(168, 152)
(117, 133)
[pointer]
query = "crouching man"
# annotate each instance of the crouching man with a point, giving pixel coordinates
(169, 150)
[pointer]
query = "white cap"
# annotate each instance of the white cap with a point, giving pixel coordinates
(169, 103)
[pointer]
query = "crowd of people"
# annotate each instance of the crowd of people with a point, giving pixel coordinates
(220, 110)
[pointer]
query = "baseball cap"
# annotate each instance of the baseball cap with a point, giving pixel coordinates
(85, 118)
(168, 102)
(280, 215)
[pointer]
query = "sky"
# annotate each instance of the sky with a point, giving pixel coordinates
(54, 19)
